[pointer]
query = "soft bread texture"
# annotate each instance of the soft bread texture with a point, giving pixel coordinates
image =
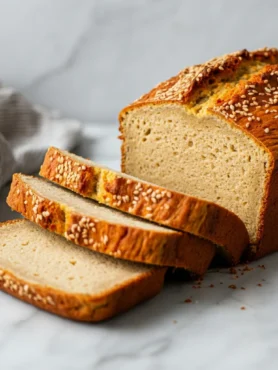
(51, 273)
(147, 200)
(104, 230)
(211, 131)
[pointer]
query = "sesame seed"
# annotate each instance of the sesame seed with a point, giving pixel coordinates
(128, 181)
(247, 125)
(26, 288)
(169, 194)
(266, 130)
(50, 300)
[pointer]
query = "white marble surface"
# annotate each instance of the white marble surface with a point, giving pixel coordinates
(211, 333)
(88, 59)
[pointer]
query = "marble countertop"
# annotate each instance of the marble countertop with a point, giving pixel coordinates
(211, 333)
(88, 59)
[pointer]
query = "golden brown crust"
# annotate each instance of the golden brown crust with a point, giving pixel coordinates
(182, 87)
(258, 120)
(161, 248)
(83, 307)
(176, 210)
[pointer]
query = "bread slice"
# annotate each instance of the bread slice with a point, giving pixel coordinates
(104, 230)
(211, 131)
(51, 273)
(143, 199)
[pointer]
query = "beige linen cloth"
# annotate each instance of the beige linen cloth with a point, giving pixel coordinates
(26, 131)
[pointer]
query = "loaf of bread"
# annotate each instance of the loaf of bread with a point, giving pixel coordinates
(212, 132)
(139, 198)
(88, 224)
(51, 273)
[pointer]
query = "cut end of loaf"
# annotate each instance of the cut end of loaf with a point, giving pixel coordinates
(201, 156)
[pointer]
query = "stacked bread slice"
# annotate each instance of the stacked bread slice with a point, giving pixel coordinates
(103, 255)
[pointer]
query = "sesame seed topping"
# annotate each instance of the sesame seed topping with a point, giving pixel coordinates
(266, 130)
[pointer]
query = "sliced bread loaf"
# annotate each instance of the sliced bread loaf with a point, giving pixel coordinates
(143, 199)
(211, 131)
(104, 230)
(51, 273)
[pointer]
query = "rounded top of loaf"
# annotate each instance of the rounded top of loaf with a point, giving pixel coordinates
(184, 87)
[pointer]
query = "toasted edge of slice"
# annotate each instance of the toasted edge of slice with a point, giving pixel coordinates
(153, 244)
(155, 203)
(80, 307)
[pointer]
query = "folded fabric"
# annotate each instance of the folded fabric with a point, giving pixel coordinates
(26, 131)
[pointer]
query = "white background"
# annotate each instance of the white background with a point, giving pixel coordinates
(90, 58)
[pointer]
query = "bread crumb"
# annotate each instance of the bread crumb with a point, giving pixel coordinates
(25, 243)
(232, 270)
(247, 268)
(174, 321)
(259, 285)
(188, 300)
(232, 286)
(73, 262)
(211, 286)
(242, 288)
(243, 308)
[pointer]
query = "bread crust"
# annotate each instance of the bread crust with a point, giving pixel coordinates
(121, 241)
(84, 307)
(155, 203)
(185, 87)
